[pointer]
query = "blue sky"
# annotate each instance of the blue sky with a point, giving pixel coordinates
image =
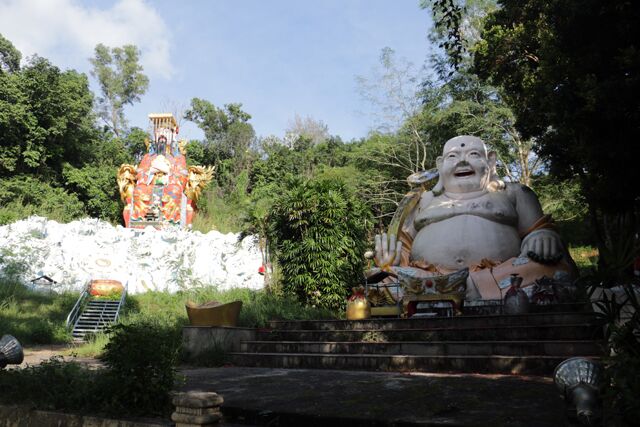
(278, 58)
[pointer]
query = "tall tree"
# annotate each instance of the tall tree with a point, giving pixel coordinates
(308, 127)
(228, 137)
(45, 119)
(569, 69)
(464, 104)
(121, 83)
(9, 56)
(397, 147)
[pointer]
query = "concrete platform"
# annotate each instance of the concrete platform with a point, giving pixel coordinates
(296, 397)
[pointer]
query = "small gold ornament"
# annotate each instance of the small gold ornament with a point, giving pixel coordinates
(358, 307)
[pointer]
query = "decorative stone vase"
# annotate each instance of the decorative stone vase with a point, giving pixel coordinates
(358, 307)
(516, 300)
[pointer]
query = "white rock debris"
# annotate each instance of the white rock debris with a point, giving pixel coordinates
(159, 260)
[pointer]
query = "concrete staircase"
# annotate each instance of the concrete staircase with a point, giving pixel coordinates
(531, 344)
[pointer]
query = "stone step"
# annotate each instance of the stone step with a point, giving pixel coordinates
(440, 322)
(434, 348)
(494, 307)
(520, 365)
(577, 331)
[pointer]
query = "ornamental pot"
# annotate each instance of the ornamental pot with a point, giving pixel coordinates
(358, 309)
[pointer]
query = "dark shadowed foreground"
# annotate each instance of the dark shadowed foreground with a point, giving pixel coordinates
(351, 398)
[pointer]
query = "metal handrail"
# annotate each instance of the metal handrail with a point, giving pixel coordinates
(75, 311)
(122, 298)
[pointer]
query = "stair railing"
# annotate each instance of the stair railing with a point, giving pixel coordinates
(75, 311)
(121, 302)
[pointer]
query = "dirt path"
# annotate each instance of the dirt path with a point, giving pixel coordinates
(36, 354)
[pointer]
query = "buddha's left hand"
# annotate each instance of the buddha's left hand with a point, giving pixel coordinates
(542, 246)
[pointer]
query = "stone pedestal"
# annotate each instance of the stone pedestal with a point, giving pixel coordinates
(197, 408)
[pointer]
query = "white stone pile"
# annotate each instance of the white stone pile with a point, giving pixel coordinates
(159, 260)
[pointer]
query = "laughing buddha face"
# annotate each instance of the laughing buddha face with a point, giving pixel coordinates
(465, 166)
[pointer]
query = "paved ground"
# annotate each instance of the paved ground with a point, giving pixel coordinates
(283, 397)
(280, 397)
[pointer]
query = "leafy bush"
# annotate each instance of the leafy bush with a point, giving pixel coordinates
(622, 367)
(318, 232)
(217, 212)
(22, 196)
(141, 359)
(139, 376)
(54, 384)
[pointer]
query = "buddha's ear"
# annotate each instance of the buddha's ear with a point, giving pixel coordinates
(492, 158)
(439, 187)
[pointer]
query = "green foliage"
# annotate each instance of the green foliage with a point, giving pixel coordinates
(585, 257)
(95, 182)
(622, 364)
(134, 143)
(197, 153)
(448, 18)
(140, 373)
(217, 211)
(623, 369)
(121, 81)
(566, 204)
(568, 71)
(228, 136)
(96, 187)
(318, 233)
(141, 359)
(9, 56)
(53, 384)
(383, 162)
(23, 195)
(214, 121)
(45, 119)
(53, 160)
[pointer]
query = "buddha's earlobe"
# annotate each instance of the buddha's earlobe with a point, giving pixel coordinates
(492, 158)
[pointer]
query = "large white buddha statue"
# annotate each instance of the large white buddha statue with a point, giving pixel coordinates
(473, 220)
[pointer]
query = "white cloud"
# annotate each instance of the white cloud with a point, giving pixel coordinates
(67, 31)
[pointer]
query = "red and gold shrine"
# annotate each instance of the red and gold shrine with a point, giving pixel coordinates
(161, 190)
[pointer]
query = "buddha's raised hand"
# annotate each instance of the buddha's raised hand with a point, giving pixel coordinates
(388, 251)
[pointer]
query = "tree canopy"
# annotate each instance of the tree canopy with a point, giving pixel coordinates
(569, 70)
(121, 81)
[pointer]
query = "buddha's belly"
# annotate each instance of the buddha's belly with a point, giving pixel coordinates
(463, 240)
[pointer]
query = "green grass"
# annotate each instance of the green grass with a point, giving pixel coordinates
(33, 317)
(586, 258)
(39, 318)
